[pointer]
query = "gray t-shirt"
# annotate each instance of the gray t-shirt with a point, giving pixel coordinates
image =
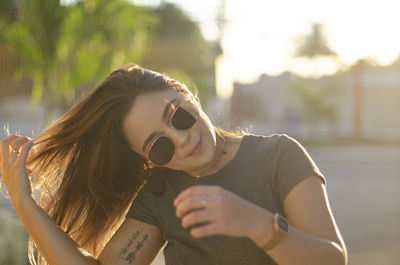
(263, 171)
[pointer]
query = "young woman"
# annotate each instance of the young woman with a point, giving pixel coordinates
(137, 163)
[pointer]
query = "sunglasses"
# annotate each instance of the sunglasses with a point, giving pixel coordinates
(162, 149)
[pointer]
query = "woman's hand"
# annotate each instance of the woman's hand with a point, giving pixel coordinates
(13, 153)
(224, 212)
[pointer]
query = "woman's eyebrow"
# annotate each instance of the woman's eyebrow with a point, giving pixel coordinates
(164, 115)
(167, 108)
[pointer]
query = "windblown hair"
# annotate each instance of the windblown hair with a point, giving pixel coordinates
(85, 174)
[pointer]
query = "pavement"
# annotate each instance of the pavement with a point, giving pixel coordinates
(363, 184)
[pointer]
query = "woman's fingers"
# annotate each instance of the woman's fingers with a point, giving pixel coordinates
(11, 143)
(11, 148)
(17, 142)
(5, 146)
(24, 151)
(205, 230)
(14, 151)
(196, 190)
(197, 217)
(5, 151)
(225, 212)
(193, 203)
(15, 146)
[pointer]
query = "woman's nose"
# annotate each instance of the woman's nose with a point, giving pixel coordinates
(180, 138)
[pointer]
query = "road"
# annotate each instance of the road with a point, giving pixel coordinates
(363, 184)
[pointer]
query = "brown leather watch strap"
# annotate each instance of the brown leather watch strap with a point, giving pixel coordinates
(279, 233)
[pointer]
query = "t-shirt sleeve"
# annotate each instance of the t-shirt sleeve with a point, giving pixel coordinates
(142, 208)
(293, 165)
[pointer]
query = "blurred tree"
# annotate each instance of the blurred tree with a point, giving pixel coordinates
(316, 97)
(314, 46)
(318, 103)
(178, 48)
(8, 9)
(68, 48)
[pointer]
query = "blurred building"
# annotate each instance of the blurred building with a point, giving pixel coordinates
(371, 101)
(365, 104)
(262, 106)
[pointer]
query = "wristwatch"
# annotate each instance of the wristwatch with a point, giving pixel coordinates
(280, 227)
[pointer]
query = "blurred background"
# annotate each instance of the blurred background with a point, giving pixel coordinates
(324, 72)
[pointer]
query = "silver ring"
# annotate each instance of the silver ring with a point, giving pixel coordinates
(13, 150)
(203, 201)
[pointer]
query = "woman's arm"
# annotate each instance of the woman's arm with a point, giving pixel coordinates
(314, 237)
(54, 244)
(134, 243)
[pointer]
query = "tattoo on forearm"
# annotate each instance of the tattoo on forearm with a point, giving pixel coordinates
(126, 253)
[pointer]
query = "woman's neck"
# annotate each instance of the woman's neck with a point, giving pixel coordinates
(225, 151)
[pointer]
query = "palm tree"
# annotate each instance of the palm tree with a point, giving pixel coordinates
(178, 48)
(314, 46)
(314, 95)
(67, 48)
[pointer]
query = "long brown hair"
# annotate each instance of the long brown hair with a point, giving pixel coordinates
(86, 176)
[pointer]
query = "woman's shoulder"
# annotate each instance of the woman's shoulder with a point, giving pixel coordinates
(271, 146)
(272, 140)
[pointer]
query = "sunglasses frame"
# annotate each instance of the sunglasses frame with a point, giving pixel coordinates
(191, 109)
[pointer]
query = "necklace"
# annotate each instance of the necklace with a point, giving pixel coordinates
(215, 164)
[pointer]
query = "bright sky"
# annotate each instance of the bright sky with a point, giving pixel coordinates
(260, 36)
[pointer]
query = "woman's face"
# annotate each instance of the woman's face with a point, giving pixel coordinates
(144, 122)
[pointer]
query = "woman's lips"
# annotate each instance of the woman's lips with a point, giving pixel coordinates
(196, 149)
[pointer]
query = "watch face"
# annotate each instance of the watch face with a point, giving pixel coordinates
(283, 224)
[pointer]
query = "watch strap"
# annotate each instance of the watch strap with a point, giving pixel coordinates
(278, 233)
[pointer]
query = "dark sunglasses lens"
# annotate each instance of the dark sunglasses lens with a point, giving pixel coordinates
(162, 151)
(182, 119)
